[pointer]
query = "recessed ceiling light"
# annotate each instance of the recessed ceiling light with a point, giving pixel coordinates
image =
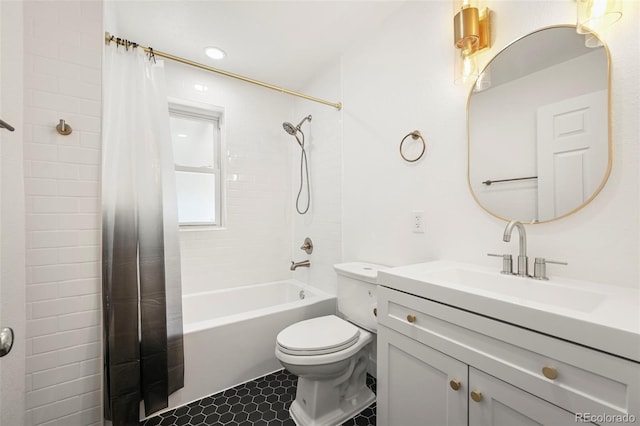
(214, 52)
(182, 135)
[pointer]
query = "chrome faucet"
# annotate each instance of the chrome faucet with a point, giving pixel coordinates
(304, 264)
(523, 260)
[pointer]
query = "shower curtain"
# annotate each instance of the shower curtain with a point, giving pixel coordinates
(142, 298)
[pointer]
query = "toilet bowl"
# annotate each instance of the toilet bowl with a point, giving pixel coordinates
(331, 355)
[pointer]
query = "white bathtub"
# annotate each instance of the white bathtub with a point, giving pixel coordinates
(230, 335)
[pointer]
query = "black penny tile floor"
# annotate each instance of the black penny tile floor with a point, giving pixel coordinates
(263, 401)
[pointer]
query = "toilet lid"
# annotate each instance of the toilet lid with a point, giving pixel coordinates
(317, 336)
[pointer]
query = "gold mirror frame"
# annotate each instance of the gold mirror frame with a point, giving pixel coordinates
(609, 130)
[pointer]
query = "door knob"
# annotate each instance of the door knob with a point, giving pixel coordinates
(6, 341)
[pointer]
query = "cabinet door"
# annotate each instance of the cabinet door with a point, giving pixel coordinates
(414, 384)
(498, 403)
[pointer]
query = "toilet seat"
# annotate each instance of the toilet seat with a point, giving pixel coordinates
(317, 336)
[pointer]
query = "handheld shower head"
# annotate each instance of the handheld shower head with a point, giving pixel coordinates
(291, 129)
(288, 127)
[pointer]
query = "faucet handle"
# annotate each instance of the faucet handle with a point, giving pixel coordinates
(507, 263)
(540, 267)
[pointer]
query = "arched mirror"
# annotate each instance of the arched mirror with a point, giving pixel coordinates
(539, 126)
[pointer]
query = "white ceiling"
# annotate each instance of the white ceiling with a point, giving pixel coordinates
(285, 43)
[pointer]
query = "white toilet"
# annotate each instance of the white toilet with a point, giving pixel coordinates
(330, 355)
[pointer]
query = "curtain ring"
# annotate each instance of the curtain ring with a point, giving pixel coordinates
(415, 135)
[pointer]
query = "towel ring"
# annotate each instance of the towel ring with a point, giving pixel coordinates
(415, 135)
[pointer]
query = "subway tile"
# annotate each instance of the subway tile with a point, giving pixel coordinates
(53, 170)
(88, 205)
(57, 102)
(66, 339)
(89, 172)
(42, 292)
(80, 386)
(79, 254)
(90, 108)
(89, 238)
(42, 152)
(50, 239)
(64, 272)
(40, 82)
(90, 139)
(78, 320)
(80, 353)
(54, 205)
(41, 397)
(78, 155)
(79, 287)
(45, 65)
(41, 327)
(42, 362)
(78, 188)
(79, 89)
(55, 376)
(53, 411)
(41, 257)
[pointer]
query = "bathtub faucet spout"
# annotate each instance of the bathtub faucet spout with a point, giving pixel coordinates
(304, 263)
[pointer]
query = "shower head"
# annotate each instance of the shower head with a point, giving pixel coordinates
(288, 127)
(291, 129)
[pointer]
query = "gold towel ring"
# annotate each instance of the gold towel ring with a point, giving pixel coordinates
(415, 135)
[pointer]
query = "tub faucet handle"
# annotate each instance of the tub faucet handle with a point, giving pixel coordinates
(307, 246)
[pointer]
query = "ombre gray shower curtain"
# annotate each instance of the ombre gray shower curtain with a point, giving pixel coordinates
(142, 298)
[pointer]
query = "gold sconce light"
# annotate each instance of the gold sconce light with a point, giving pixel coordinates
(471, 33)
(595, 16)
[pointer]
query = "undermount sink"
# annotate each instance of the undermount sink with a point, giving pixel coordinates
(521, 288)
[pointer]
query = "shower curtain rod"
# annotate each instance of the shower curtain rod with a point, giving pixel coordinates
(122, 42)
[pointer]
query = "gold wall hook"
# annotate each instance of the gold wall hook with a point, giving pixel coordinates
(63, 128)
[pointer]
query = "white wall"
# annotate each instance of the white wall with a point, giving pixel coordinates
(255, 243)
(400, 80)
(62, 64)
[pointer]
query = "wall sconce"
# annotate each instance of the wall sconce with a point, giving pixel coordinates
(471, 33)
(597, 15)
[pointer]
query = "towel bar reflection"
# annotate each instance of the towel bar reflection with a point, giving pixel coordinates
(5, 125)
(63, 128)
(489, 182)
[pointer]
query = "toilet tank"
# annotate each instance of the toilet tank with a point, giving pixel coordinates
(357, 299)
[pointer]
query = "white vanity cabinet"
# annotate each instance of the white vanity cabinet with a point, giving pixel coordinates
(439, 365)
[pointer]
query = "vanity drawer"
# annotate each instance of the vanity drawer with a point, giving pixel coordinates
(576, 378)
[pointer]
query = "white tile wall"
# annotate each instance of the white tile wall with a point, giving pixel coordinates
(323, 222)
(255, 243)
(63, 45)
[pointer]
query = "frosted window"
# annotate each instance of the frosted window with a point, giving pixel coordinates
(196, 197)
(193, 142)
(195, 136)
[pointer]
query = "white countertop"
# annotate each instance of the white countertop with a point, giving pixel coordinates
(599, 316)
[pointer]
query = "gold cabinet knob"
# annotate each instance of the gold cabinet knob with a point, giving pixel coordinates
(411, 318)
(375, 312)
(455, 384)
(476, 396)
(550, 373)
